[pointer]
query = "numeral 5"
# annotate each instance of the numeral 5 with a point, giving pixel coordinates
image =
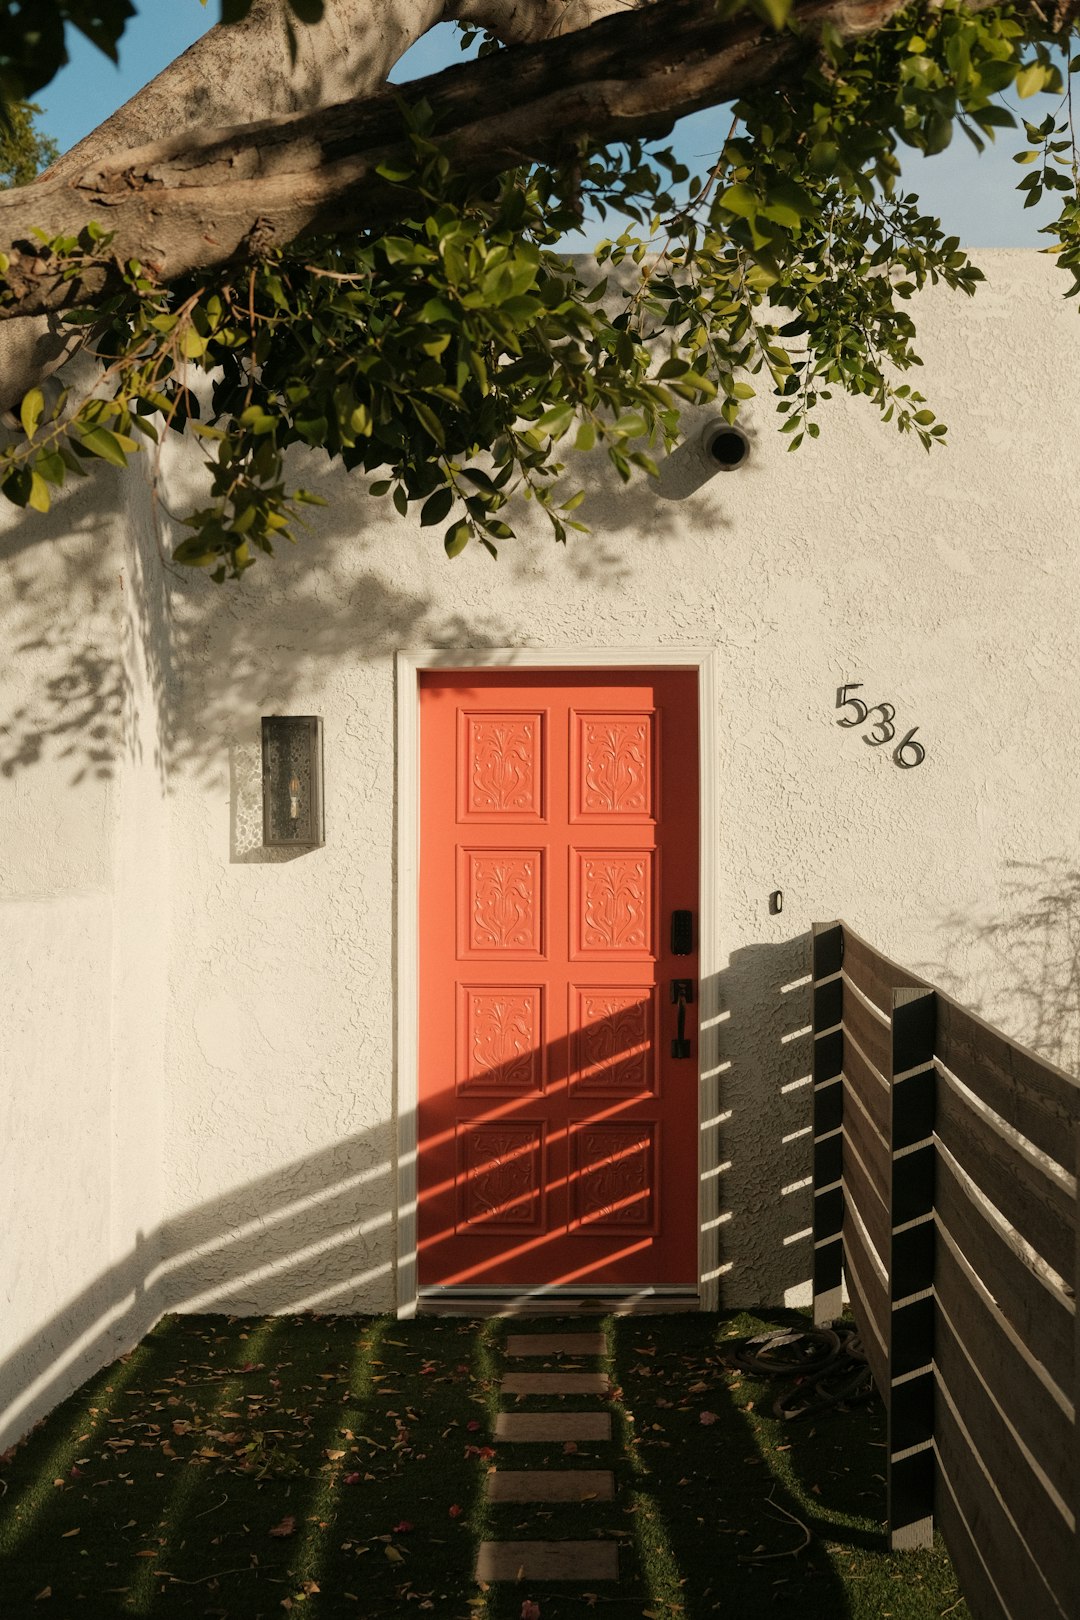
(845, 702)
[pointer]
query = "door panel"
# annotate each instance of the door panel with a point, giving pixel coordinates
(559, 830)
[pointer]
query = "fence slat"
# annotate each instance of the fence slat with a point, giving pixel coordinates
(982, 1597)
(874, 974)
(870, 1302)
(1039, 1315)
(1031, 1200)
(1005, 1369)
(1039, 1099)
(870, 1034)
(1020, 1578)
(860, 1192)
(870, 1141)
(868, 1085)
(1033, 1509)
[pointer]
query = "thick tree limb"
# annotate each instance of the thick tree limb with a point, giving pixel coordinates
(250, 65)
(196, 203)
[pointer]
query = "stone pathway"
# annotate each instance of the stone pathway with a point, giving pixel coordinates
(537, 1560)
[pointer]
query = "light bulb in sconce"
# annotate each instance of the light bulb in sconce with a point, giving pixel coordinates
(294, 798)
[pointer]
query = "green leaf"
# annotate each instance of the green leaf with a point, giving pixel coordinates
(586, 437)
(556, 420)
(776, 12)
(436, 507)
(100, 442)
(739, 199)
(1031, 79)
(456, 538)
(428, 420)
(38, 497)
(30, 414)
(257, 420)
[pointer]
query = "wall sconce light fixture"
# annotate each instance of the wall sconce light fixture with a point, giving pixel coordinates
(292, 783)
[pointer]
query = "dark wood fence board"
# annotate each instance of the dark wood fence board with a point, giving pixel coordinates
(866, 1083)
(1038, 1314)
(975, 1582)
(867, 1197)
(867, 1031)
(1036, 1515)
(870, 1303)
(1008, 1373)
(1039, 1099)
(1022, 1581)
(1033, 1202)
(874, 974)
(870, 1143)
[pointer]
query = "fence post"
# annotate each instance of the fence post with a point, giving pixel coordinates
(828, 992)
(910, 1396)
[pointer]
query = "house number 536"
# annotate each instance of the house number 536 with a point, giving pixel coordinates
(907, 753)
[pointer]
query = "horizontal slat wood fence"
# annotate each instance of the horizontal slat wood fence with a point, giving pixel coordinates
(946, 1163)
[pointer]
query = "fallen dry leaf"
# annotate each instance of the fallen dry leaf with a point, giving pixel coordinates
(287, 1527)
(46, 1591)
(707, 1418)
(69, 1533)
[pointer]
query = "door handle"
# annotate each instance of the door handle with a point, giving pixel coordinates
(682, 992)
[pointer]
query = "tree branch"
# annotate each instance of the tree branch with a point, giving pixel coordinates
(196, 203)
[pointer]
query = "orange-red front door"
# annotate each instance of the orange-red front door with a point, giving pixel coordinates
(559, 831)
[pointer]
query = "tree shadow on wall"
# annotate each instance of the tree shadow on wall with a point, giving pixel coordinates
(117, 644)
(1029, 954)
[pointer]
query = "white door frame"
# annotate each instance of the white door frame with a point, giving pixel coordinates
(409, 666)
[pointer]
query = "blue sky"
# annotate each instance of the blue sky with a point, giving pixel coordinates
(974, 196)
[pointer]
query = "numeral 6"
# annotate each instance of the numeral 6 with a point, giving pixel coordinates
(916, 748)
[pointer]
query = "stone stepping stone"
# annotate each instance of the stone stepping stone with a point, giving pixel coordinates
(547, 1561)
(555, 1383)
(552, 1426)
(556, 1344)
(551, 1485)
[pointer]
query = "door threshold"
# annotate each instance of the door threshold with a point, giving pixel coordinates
(509, 1301)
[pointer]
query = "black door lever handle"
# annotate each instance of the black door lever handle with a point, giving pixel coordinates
(682, 991)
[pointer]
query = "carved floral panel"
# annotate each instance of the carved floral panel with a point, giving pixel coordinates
(614, 1176)
(612, 1039)
(502, 1040)
(499, 1180)
(502, 901)
(614, 901)
(614, 766)
(501, 773)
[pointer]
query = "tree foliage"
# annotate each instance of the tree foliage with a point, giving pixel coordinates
(456, 357)
(24, 150)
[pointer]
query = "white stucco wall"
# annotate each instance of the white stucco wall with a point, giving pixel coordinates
(949, 585)
(83, 940)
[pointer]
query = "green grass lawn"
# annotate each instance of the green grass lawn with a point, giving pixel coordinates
(335, 1466)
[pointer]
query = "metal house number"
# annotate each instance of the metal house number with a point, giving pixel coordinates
(907, 753)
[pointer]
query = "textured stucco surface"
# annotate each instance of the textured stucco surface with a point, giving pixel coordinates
(83, 941)
(949, 585)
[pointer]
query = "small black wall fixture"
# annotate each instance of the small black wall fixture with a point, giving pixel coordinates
(292, 781)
